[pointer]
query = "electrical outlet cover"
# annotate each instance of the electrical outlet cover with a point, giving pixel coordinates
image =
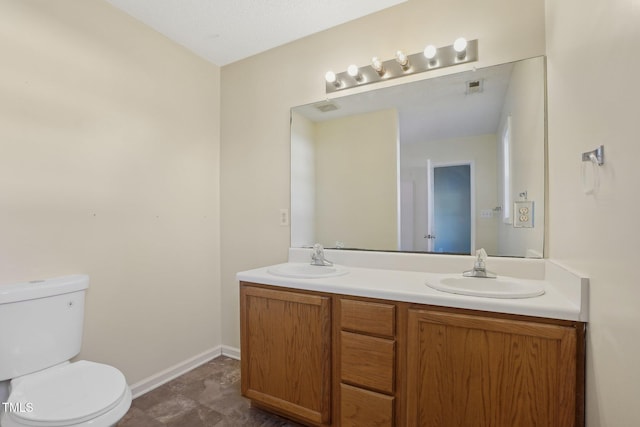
(523, 214)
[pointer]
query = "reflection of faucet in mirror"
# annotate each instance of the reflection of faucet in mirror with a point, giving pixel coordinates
(479, 267)
(317, 256)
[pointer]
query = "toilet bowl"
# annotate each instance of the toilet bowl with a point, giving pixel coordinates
(45, 333)
(75, 394)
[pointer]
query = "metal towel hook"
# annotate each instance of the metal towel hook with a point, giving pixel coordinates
(594, 158)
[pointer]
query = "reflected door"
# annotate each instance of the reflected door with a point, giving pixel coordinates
(450, 207)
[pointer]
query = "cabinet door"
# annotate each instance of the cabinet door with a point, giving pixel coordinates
(466, 371)
(286, 352)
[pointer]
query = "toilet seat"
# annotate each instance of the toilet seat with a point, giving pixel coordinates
(68, 394)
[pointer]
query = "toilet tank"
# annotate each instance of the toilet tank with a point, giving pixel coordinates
(41, 323)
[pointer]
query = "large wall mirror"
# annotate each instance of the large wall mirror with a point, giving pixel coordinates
(443, 165)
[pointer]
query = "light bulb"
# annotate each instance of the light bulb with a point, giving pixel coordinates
(376, 64)
(330, 77)
(430, 51)
(403, 60)
(354, 72)
(460, 46)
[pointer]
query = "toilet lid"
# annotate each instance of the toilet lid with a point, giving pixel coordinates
(68, 394)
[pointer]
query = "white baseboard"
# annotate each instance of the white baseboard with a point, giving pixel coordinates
(231, 352)
(162, 377)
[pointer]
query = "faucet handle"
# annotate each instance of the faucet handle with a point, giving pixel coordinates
(479, 267)
(317, 256)
(481, 257)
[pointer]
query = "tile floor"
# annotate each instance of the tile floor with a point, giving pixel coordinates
(206, 396)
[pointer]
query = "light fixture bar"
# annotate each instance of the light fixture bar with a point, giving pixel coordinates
(445, 56)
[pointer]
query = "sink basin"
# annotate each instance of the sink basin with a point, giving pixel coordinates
(307, 271)
(502, 287)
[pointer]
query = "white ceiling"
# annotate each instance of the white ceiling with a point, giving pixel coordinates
(225, 31)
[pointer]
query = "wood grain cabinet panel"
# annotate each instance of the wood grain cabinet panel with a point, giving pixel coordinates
(367, 361)
(335, 360)
(368, 317)
(286, 352)
(467, 370)
(363, 408)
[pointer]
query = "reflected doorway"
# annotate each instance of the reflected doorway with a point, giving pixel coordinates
(450, 227)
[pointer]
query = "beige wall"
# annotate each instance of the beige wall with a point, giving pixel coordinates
(593, 99)
(356, 181)
(344, 181)
(109, 135)
(258, 92)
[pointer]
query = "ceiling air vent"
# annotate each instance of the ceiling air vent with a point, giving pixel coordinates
(326, 106)
(474, 86)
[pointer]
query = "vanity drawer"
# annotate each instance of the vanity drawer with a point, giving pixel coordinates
(368, 317)
(367, 361)
(364, 408)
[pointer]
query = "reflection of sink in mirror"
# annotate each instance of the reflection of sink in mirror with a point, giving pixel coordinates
(502, 287)
(307, 271)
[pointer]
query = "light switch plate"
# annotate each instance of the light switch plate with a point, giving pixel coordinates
(486, 213)
(284, 217)
(523, 214)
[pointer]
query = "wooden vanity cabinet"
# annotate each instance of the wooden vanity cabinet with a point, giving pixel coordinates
(480, 370)
(336, 360)
(286, 352)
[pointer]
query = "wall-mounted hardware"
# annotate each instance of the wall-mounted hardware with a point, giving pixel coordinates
(523, 214)
(474, 86)
(594, 158)
(460, 52)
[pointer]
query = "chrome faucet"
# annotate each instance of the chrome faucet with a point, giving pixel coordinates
(479, 267)
(317, 256)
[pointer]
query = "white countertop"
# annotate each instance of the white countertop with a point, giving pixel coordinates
(409, 286)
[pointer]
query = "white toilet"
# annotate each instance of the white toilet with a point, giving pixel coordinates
(41, 329)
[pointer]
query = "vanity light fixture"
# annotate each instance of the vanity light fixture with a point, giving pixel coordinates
(432, 58)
